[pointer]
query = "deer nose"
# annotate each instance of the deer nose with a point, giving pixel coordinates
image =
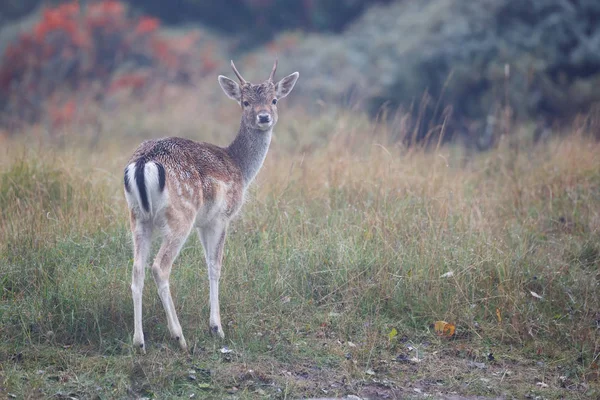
(263, 118)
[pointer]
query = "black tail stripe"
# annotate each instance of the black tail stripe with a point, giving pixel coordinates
(140, 166)
(126, 180)
(161, 176)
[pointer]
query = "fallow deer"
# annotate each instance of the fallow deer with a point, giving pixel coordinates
(173, 185)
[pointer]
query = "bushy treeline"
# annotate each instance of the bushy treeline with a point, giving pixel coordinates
(256, 20)
(469, 66)
(474, 60)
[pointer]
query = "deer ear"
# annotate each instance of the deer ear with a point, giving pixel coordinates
(231, 89)
(285, 86)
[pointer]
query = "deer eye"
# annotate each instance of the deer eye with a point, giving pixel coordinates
(274, 101)
(246, 104)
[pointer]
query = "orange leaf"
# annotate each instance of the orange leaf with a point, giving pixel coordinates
(443, 328)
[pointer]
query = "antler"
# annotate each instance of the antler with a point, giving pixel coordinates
(273, 71)
(242, 80)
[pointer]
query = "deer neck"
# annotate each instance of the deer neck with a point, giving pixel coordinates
(249, 149)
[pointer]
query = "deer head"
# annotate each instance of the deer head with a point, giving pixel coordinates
(258, 102)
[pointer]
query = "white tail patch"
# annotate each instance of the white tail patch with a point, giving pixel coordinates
(157, 199)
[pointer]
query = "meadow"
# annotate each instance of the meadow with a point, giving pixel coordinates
(350, 247)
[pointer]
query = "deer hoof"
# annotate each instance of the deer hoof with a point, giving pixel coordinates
(140, 347)
(181, 342)
(217, 331)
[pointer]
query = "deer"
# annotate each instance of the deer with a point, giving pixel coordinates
(173, 185)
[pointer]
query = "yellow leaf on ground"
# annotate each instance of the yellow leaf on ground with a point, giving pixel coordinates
(393, 333)
(443, 328)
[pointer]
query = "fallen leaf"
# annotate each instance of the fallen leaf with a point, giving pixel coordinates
(537, 296)
(447, 274)
(443, 328)
(393, 333)
(498, 315)
(370, 372)
(542, 385)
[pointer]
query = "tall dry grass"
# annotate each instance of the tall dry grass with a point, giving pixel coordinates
(346, 234)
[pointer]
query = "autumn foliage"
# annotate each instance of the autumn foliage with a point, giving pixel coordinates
(75, 56)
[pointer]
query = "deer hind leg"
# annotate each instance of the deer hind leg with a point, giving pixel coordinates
(142, 240)
(213, 240)
(172, 242)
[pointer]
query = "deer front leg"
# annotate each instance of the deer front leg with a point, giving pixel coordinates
(213, 241)
(142, 238)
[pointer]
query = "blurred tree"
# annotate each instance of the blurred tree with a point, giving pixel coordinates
(258, 20)
(485, 61)
(254, 21)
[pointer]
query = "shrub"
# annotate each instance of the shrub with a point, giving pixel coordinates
(74, 56)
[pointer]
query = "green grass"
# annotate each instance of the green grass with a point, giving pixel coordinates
(338, 244)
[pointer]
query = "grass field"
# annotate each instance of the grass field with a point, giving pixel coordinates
(348, 250)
